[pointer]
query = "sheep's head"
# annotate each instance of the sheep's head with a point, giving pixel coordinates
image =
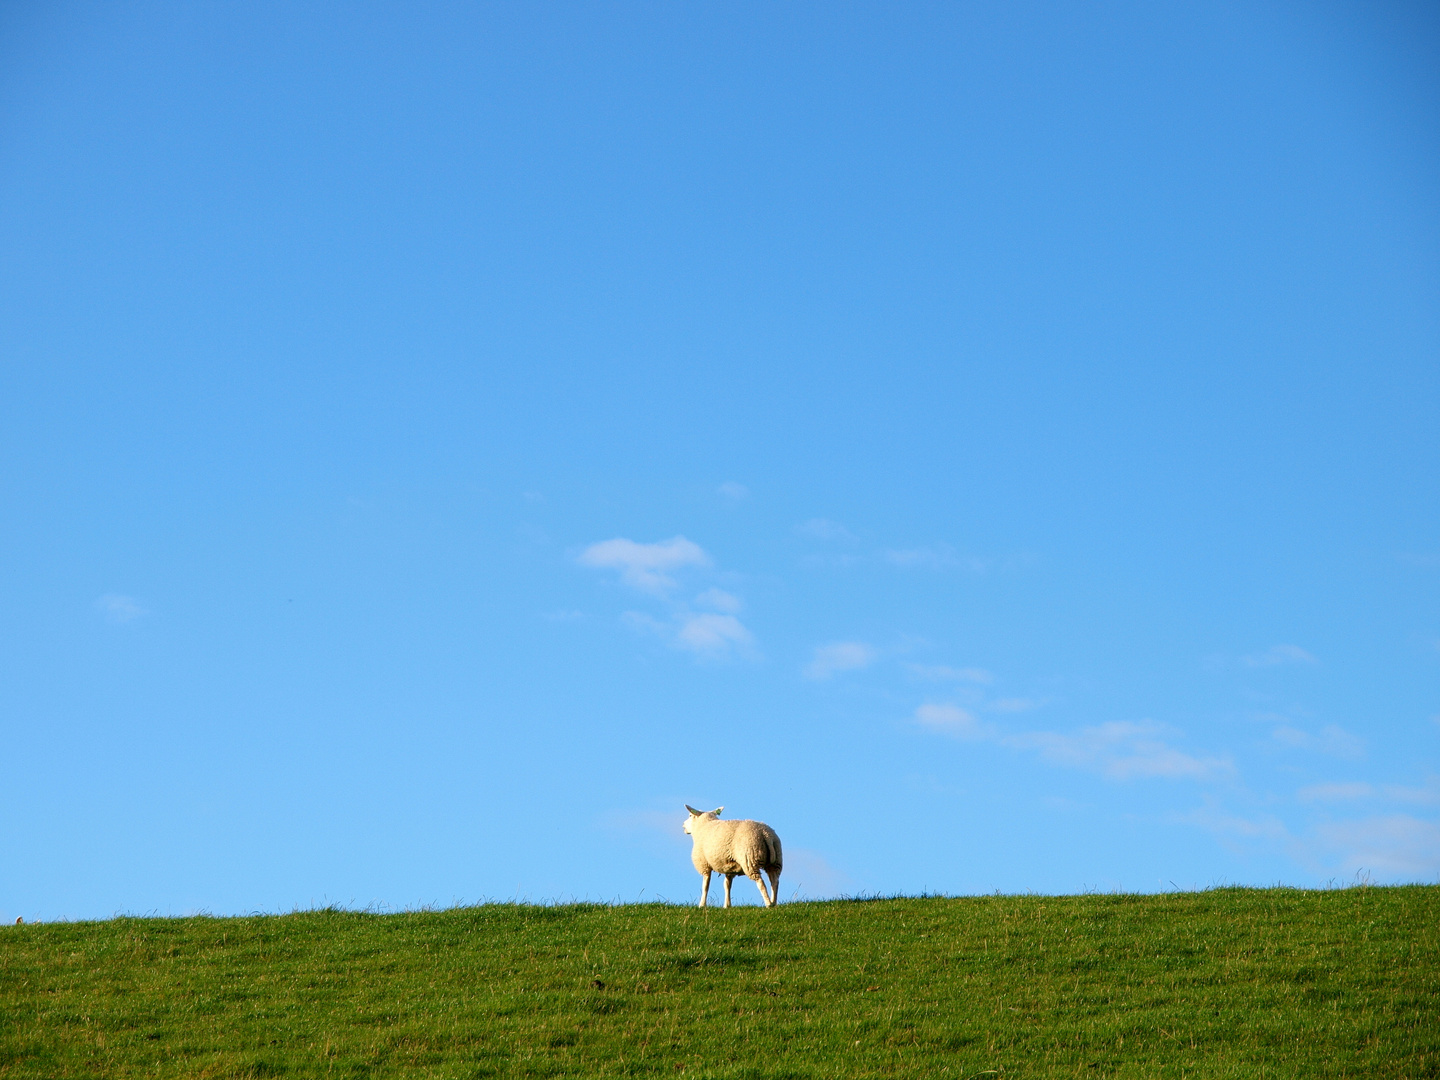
(696, 814)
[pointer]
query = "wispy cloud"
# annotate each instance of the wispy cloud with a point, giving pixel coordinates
(934, 557)
(1392, 845)
(810, 875)
(1121, 750)
(733, 492)
(118, 608)
(1428, 795)
(824, 529)
(658, 832)
(1236, 826)
(967, 689)
(1389, 846)
(951, 720)
(1332, 740)
(709, 634)
(1157, 759)
(720, 600)
(645, 566)
(1013, 705)
(944, 673)
(1427, 559)
(1335, 792)
(1277, 655)
(839, 656)
(830, 560)
(654, 822)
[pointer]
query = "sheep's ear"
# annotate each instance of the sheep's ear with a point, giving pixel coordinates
(717, 810)
(693, 811)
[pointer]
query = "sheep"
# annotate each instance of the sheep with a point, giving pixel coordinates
(734, 847)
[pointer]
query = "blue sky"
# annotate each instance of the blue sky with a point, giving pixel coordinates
(994, 443)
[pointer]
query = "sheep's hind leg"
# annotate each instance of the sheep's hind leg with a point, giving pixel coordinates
(774, 887)
(759, 880)
(704, 887)
(729, 879)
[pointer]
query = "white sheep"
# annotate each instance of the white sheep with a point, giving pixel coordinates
(734, 847)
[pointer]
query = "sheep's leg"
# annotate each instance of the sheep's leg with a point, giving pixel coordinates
(729, 880)
(704, 887)
(759, 880)
(775, 886)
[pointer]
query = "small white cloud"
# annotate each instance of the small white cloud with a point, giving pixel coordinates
(1335, 792)
(951, 720)
(120, 609)
(1277, 655)
(732, 491)
(645, 566)
(839, 656)
(824, 529)
(707, 635)
(720, 600)
(942, 672)
(710, 634)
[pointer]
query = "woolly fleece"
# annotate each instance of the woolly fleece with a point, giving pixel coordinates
(731, 848)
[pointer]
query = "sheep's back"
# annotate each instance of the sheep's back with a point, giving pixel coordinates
(742, 847)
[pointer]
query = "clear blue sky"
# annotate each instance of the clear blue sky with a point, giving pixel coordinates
(995, 443)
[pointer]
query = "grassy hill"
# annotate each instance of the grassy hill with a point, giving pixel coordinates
(1230, 982)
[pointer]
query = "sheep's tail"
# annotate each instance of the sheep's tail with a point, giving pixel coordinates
(772, 846)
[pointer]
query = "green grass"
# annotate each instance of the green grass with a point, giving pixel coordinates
(1230, 982)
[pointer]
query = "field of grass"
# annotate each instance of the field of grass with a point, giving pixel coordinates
(1229, 982)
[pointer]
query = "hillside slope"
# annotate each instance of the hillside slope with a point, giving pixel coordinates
(1229, 982)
